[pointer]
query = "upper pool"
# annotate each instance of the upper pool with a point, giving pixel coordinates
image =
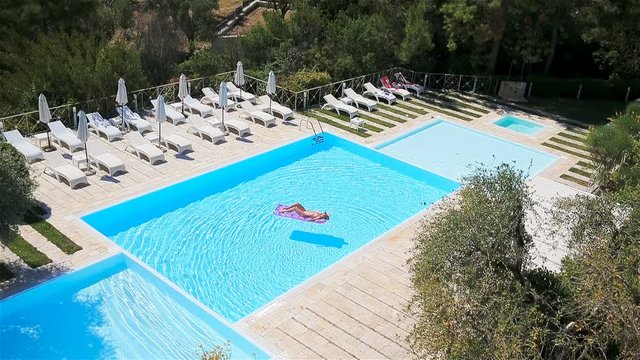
(216, 236)
(453, 150)
(519, 125)
(115, 309)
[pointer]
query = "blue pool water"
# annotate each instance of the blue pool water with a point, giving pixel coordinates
(519, 125)
(115, 309)
(452, 150)
(216, 237)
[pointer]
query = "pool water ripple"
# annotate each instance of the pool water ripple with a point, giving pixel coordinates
(233, 254)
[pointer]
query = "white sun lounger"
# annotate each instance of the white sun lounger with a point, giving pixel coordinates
(28, 150)
(337, 105)
(64, 137)
(62, 170)
(360, 100)
(256, 115)
(212, 97)
(174, 141)
(134, 120)
(103, 159)
(103, 127)
(204, 130)
(142, 148)
(195, 106)
(236, 94)
(231, 123)
(284, 112)
(386, 83)
(378, 94)
(173, 116)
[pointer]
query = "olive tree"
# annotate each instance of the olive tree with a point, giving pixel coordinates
(16, 188)
(476, 289)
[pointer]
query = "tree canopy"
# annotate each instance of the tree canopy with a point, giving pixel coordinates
(477, 291)
(54, 47)
(16, 188)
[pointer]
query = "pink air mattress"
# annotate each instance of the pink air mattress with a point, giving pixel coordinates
(294, 215)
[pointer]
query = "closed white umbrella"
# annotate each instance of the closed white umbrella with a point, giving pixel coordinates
(271, 87)
(161, 116)
(238, 79)
(121, 97)
(44, 115)
(183, 90)
(223, 100)
(83, 134)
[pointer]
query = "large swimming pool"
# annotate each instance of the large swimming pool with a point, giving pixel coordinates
(453, 150)
(216, 236)
(115, 309)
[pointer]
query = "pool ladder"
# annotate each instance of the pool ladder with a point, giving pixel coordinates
(318, 137)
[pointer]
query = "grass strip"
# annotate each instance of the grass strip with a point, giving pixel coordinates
(573, 137)
(5, 272)
(479, 104)
(577, 130)
(346, 119)
(448, 113)
(569, 144)
(377, 121)
(333, 123)
(587, 165)
(579, 171)
(575, 180)
(411, 108)
(25, 251)
(52, 234)
(457, 101)
(396, 111)
(560, 148)
(391, 117)
(451, 106)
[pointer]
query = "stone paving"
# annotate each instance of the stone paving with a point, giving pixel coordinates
(354, 309)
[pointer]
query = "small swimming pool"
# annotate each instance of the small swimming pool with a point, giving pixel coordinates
(217, 238)
(115, 309)
(519, 125)
(453, 150)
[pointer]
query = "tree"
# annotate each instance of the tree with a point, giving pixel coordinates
(616, 151)
(476, 289)
(483, 22)
(603, 275)
(417, 33)
(16, 189)
(613, 25)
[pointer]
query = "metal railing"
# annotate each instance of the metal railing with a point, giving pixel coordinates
(140, 99)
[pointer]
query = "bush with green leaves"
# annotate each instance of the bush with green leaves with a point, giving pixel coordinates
(478, 294)
(16, 189)
(615, 148)
(305, 79)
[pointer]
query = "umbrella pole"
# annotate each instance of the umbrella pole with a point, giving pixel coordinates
(122, 116)
(223, 127)
(48, 140)
(86, 155)
(159, 132)
(270, 111)
(183, 107)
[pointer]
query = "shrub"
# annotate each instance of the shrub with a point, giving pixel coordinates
(305, 79)
(633, 108)
(16, 189)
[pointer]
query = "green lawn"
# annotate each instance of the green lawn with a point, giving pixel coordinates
(25, 251)
(590, 112)
(52, 234)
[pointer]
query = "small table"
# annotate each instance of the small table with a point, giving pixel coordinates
(346, 100)
(356, 123)
(79, 159)
(41, 139)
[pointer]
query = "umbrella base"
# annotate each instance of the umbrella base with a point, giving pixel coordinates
(89, 172)
(49, 148)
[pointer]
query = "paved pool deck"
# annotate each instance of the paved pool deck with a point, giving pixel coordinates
(354, 309)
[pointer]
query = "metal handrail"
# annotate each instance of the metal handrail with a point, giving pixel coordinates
(27, 122)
